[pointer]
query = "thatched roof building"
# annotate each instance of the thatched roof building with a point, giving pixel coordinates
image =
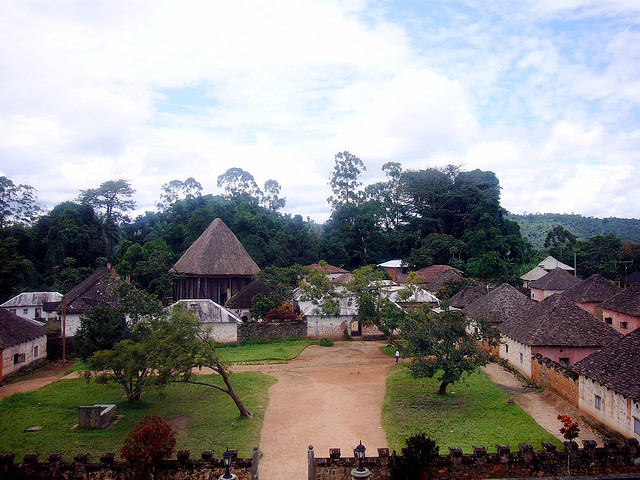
(499, 305)
(216, 266)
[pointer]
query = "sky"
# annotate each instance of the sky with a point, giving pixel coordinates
(545, 93)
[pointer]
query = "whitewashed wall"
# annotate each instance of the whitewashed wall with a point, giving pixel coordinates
(28, 348)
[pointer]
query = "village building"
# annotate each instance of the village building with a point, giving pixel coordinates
(622, 311)
(556, 281)
(395, 268)
(467, 295)
(216, 266)
(609, 385)
(23, 343)
(591, 292)
(332, 272)
(431, 274)
(544, 267)
(99, 288)
(217, 322)
(498, 305)
(557, 329)
(33, 305)
(240, 303)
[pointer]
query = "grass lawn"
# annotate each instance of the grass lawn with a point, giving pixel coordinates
(205, 418)
(274, 351)
(472, 413)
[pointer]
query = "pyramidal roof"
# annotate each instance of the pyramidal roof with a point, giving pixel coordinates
(627, 301)
(216, 252)
(557, 279)
(499, 305)
(596, 288)
(557, 321)
(551, 263)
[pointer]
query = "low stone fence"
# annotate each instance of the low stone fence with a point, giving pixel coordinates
(107, 468)
(271, 330)
(589, 461)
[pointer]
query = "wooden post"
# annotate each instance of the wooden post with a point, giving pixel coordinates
(255, 464)
(312, 464)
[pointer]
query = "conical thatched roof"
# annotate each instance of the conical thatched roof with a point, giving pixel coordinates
(596, 288)
(467, 295)
(499, 305)
(217, 252)
(557, 321)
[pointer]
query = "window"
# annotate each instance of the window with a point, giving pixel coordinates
(18, 358)
(25, 311)
(521, 358)
(608, 320)
(564, 361)
(38, 313)
(13, 310)
(506, 348)
(36, 350)
(636, 425)
(597, 402)
(624, 325)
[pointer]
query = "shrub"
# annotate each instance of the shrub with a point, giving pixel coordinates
(324, 342)
(419, 452)
(148, 442)
(283, 312)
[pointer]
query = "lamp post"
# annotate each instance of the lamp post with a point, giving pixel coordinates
(226, 459)
(360, 472)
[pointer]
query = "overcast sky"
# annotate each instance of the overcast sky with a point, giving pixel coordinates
(545, 93)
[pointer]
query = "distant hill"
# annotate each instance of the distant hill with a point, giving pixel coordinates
(535, 226)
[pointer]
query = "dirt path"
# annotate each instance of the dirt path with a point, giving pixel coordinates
(44, 376)
(328, 398)
(543, 407)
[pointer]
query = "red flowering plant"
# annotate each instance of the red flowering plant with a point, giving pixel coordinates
(148, 442)
(569, 429)
(283, 312)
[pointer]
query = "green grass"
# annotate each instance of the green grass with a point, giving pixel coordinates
(274, 351)
(474, 412)
(207, 419)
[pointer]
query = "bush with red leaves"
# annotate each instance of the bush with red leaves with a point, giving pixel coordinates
(148, 442)
(283, 312)
(569, 429)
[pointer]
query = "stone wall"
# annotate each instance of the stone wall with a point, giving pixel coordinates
(107, 468)
(613, 458)
(271, 330)
(561, 380)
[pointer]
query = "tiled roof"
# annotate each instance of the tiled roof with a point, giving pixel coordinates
(596, 288)
(15, 330)
(344, 278)
(627, 301)
(243, 298)
(557, 279)
(499, 305)
(551, 263)
(616, 366)
(467, 295)
(447, 276)
(99, 287)
(534, 274)
(32, 299)
(332, 270)
(432, 273)
(557, 321)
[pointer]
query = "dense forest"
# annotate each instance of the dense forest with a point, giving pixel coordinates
(430, 216)
(535, 226)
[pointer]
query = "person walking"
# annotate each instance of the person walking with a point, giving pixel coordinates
(397, 356)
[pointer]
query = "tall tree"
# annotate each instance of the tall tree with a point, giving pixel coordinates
(344, 179)
(271, 196)
(239, 183)
(176, 190)
(18, 203)
(112, 199)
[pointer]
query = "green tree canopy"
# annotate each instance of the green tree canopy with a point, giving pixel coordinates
(344, 179)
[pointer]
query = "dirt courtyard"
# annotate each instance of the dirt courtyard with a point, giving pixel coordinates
(327, 397)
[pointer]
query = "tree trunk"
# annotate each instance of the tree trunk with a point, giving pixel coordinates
(232, 393)
(443, 388)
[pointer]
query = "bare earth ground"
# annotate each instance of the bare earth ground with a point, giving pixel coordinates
(328, 397)
(332, 398)
(543, 407)
(44, 376)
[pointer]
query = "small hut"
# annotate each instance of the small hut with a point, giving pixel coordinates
(216, 266)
